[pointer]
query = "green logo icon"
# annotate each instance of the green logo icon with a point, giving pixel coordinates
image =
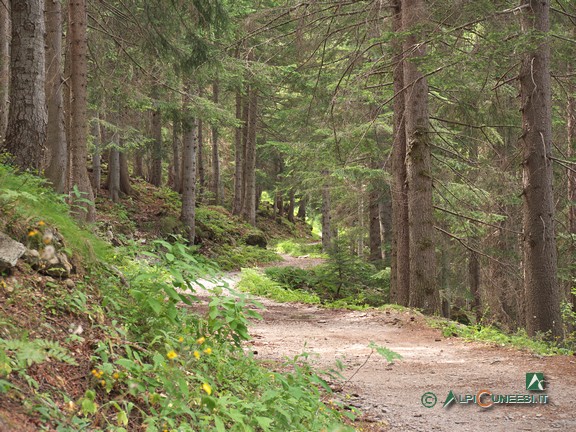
(428, 399)
(449, 399)
(535, 381)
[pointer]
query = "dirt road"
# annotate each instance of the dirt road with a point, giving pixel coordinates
(391, 396)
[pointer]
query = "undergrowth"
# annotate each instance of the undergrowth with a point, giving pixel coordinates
(490, 334)
(125, 348)
(300, 248)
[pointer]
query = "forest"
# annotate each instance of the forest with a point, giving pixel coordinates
(408, 153)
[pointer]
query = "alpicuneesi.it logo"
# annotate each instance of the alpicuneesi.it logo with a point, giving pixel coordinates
(486, 398)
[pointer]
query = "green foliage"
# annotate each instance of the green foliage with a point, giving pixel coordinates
(25, 198)
(300, 248)
(258, 284)
(236, 257)
(494, 335)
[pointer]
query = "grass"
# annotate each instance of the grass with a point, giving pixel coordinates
(256, 283)
(299, 248)
(141, 356)
(490, 334)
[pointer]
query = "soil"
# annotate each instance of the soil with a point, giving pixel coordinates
(390, 395)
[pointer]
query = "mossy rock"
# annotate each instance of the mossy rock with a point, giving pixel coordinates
(256, 239)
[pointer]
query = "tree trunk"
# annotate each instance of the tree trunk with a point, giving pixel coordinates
(138, 163)
(125, 186)
(77, 23)
(176, 149)
(5, 36)
(291, 205)
(200, 156)
(27, 118)
(96, 158)
(57, 146)
(326, 215)
(239, 159)
(114, 170)
(571, 174)
(279, 205)
(423, 291)
(540, 271)
(156, 125)
(190, 143)
(216, 186)
(400, 250)
(249, 207)
(375, 238)
(302, 209)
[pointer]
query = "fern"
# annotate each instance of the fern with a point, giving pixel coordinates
(25, 353)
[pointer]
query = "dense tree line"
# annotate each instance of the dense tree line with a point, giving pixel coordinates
(436, 140)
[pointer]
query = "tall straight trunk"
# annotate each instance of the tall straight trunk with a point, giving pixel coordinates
(571, 135)
(249, 207)
(114, 170)
(239, 159)
(125, 186)
(27, 118)
(302, 209)
(542, 293)
(217, 188)
(77, 31)
(156, 126)
(400, 250)
(200, 162)
(473, 258)
(5, 36)
(57, 146)
(374, 236)
(291, 205)
(326, 215)
(176, 162)
(139, 163)
(96, 158)
(189, 141)
(279, 204)
(423, 291)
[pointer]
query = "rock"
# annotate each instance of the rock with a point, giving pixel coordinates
(10, 251)
(32, 257)
(256, 239)
(54, 263)
(70, 284)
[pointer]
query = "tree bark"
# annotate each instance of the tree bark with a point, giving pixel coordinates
(374, 236)
(125, 186)
(400, 250)
(239, 159)
(77, 31)
(57, 146)
(326, 215)
(216, 185)
(201, 167)
(176, 162)
(189, 129)
(571, 174)
(249, 207)
(423, 291)
(27, 118)
(5, 37)
(291, 205)
(114, 170)
(541, 287)
(156, 125)
(302, 209)
(96, 158)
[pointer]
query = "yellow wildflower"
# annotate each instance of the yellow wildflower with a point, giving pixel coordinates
(32, 233)
(208, 350)
(172, 355)
(116, 375)
(201, 340)
(180, 339)
(206, 387)
(41, 223)
(103, 383)
(197, 355)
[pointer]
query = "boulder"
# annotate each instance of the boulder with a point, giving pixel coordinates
(10, 251)
(53, 263)
(32, 257)
(256, 239)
